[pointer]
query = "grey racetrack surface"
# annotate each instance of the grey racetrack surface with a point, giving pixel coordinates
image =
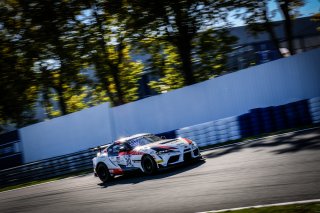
(279, 169)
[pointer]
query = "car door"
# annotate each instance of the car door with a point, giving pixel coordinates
(119, 155)
(113, 154)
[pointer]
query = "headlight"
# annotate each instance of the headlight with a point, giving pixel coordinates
(163, 152)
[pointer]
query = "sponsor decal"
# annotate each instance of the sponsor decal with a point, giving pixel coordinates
(135, 153)
(132, 152)
(159, 161)
(128, 160)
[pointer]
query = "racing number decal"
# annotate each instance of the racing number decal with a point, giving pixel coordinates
(128, 160)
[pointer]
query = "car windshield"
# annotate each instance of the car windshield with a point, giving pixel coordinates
(143, 140)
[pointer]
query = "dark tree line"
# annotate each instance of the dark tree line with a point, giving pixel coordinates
(69, 55)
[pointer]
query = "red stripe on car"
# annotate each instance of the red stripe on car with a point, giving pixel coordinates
(116, 171)
(187, 140)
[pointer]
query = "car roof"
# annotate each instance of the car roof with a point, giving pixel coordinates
(122, 140)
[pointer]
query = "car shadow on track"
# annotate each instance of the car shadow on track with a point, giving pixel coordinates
(138, 177)
(291, 143)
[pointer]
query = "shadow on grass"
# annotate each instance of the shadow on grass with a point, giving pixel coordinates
(138, 177)
(289, 143)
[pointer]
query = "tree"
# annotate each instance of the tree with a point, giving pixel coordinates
(18, 92)
(58, 40)
(259, 18)
(209, 58)
(211, 53)
(316, 18)
(289, 9)
(165, 63)
(177, 22)
(109, 51)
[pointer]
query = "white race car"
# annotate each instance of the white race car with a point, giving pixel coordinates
(145, 152)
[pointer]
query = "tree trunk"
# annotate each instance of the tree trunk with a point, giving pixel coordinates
(270, 30)
(114, 68)
(184, 48)
(46, 104)
(287, 25)
(62, 101)
(183, 43)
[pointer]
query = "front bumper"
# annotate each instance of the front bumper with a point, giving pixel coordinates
(172, 158)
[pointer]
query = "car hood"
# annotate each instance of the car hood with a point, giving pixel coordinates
(168, 144)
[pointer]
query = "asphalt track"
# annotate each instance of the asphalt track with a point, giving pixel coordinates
(278, 169)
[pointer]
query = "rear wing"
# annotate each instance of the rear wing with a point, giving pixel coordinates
(100, 148)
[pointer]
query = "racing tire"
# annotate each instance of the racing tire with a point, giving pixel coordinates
(103, 172)
(149, 165)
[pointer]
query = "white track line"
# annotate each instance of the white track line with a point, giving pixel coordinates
(261, 206)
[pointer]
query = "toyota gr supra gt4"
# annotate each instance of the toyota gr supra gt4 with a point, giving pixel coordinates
(144, 152)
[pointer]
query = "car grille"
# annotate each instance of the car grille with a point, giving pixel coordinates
(173, 159)
(187, 156)
(196, 152)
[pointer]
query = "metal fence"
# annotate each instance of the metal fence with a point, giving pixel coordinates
(10, 150)
(46, 169)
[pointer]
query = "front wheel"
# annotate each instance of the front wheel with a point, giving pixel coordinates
(103, 172)
(149, 165)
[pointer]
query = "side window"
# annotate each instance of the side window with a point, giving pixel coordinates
(114, 150)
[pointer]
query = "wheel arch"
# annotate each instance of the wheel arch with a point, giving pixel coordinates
(101, 162)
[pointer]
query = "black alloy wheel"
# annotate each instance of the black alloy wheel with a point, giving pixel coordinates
(149, 165)
(103, 172)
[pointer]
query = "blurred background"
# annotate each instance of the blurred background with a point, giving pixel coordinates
(61, 56)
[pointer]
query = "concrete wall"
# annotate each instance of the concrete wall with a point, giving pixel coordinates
(269, 84)
(67, 134)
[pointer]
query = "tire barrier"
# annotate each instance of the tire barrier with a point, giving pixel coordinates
(303, 113)
(245, 125)
(267, 122)
(279, 118)
(314, 107)
(210, 133)
(256, 122)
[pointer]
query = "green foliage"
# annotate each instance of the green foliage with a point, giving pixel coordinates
(109, 51)
(48, 48)
(165, 63)
(175, 22)
(212, 51)
(18, 91)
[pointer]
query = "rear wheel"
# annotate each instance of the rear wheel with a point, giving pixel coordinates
(103, 172)
(149, 165)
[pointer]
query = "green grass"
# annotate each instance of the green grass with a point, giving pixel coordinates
(294, 208)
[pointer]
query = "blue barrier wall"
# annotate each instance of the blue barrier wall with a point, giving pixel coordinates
(67, 134)
(271, 84)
